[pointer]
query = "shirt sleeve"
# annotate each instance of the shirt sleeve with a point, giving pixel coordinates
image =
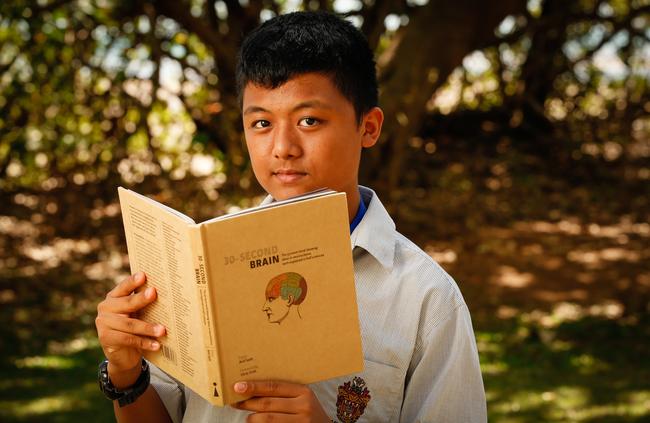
(170, 391)
(444, 382)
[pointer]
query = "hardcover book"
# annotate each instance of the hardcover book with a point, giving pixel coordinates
(262, 294)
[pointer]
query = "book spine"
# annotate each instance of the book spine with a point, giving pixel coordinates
(203, 276)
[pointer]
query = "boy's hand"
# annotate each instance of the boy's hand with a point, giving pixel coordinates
(122, 337)
(280, 402)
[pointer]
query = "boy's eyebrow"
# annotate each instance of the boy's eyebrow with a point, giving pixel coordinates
(310, 104)
(254, 109)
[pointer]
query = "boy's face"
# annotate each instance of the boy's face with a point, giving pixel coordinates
(304, 135)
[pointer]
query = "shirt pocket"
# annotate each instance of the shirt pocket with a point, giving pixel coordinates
(374, 395)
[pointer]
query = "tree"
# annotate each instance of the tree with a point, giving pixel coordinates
(96, 90)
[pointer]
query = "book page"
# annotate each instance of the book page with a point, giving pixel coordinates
(159, 245)
(314, 194)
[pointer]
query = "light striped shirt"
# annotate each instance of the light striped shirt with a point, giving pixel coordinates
(421, 361)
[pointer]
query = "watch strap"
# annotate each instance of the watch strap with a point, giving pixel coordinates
(124, 396)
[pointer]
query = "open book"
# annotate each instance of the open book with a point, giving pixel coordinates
(263, 294)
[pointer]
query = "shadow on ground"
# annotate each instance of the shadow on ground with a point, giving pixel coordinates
(559, 302)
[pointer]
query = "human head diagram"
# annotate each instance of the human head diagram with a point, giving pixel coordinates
(282, 292)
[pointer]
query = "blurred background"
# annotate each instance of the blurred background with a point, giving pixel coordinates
(515, 152)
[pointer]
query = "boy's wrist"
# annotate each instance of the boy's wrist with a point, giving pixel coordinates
(124, 395)
(123, 378)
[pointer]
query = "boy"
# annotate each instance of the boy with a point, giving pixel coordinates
(309, 101)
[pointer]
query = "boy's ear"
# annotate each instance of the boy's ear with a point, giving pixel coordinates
(371, 127)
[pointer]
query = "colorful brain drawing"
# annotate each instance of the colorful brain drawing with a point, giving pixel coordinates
(287, 284)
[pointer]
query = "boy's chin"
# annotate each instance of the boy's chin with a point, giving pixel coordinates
(284, 194)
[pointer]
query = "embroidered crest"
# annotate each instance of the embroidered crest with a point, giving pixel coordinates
(352, 400)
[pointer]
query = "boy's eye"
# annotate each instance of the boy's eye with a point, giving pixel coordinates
(308, 121)
(261, 123)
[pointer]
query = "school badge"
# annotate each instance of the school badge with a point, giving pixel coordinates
(352, 400)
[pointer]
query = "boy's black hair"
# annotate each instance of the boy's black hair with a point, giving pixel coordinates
(301, 42)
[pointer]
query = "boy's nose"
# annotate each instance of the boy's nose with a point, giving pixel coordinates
(286, 143)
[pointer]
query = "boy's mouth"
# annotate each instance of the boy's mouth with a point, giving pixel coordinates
(289, 175)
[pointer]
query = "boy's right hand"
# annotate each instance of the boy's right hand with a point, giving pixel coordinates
(123, 337)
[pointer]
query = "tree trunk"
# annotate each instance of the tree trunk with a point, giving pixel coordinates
(439, 35)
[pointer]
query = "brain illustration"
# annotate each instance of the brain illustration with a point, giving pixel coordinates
(287, 284)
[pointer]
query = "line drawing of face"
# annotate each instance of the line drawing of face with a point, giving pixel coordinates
(282, 292)
(277, 309)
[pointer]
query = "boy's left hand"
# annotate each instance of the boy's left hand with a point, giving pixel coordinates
(280, 402)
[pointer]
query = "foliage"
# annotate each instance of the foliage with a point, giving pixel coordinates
(96, 90)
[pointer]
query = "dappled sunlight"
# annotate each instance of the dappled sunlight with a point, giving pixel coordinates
(58, 251)
(39, 387)
(45, 362)
(568, 400)
(570, 227)
(510, 277)
(552, 296)
(41, 407)
(112, 267)
(103, 211)
(564, 312)
(541, 263)
(46, 254)
(574, 226)
(83, 341)
(10, 225)
(595, 259)
(444, 256)
(525, 401)
(566, 403)
(61, 354)
(558, 366)
(587, 364)
(506, 312)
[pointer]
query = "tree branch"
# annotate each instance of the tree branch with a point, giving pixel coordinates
(618, 26)
(178, 10)
(235, 10)
(211, 13)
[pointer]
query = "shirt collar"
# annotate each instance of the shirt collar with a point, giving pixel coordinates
(376, 231)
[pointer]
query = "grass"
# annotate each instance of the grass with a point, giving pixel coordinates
(55, 387)
(588, 370)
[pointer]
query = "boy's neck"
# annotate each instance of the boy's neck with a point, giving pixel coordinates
(353, 203)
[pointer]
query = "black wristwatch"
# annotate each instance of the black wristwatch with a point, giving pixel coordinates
(128, 395)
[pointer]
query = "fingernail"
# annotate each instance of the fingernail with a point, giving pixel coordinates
(240, 387)
(148, 293)
(155, 345)
(159, 330)
(139, 277)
